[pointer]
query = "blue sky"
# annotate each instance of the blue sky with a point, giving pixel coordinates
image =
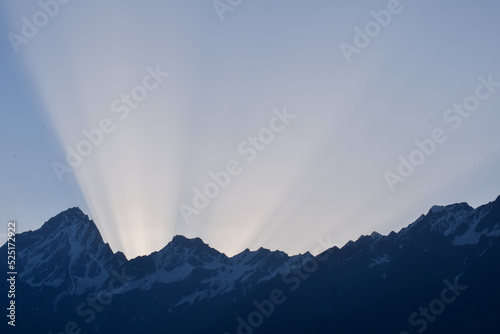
(322, 173)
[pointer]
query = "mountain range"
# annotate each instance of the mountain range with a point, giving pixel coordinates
(440, 274)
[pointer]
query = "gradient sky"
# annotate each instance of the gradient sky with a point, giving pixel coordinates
(322, 176)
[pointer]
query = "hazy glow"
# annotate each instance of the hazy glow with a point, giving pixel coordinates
(321, 176)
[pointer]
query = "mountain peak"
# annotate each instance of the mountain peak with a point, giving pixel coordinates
(436, 208)
(182, 241)
(451, 207)
(75, 212)
(71, 220)
(67, 251)
(74, 209)
(71, 215)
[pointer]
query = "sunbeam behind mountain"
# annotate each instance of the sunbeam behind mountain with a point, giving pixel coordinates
(435, 273)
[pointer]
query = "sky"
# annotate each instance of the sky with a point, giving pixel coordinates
(281, 124)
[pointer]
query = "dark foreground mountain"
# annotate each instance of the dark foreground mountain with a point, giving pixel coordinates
(441, 274)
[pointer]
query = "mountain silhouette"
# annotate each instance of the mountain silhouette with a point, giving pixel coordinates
(439, 274)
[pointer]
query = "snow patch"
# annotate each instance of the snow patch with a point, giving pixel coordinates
(379, 260)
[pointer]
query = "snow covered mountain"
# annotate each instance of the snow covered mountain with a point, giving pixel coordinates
(68, 253)
(67, 259)
(439, 274)
(202, 272)
(70, 281)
